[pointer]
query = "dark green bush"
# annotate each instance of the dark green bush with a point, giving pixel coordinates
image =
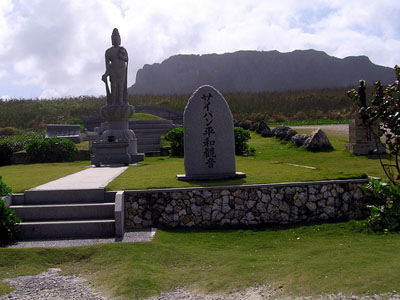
(51, 150)
(241, 138)
(175, 137)
(9, 222)
(6, 153)
(4, 189)
(384, 204)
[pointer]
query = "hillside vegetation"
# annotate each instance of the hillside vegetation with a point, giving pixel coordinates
(331, 104)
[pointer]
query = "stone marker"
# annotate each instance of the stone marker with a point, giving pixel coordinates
(71, 132)
(361, 136)
(118, 144)
(209, 140)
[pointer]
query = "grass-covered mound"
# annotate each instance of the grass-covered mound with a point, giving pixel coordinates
(143, 116)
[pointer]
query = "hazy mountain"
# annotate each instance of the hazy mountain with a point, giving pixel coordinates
(257, 71)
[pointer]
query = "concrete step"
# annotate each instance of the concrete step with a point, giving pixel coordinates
(87, 211)
(35, 197)
(67, 229)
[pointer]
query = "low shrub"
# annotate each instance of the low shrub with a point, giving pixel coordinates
(19, 142)
(384, 204)
(6, 153)
(51, 150)
(9, 222)
(175, 137)
(4, 189)
(241, 138)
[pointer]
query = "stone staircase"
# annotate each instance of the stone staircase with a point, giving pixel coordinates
(69, 214)
(149, 133)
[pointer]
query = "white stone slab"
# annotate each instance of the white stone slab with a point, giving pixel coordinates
(90, 178)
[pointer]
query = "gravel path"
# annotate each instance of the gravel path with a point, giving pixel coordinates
(52, 286)
(334, 128)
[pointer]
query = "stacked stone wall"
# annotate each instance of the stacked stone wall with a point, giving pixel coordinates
(246, 205)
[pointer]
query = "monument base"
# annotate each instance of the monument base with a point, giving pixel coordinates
(113, 153)
(361, 138)
(365, 148)
(184, 177)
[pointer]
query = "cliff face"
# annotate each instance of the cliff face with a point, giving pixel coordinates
(257, 71)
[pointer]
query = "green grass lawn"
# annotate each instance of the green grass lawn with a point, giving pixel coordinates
(22, 177)
(305, 260)
(273, 162)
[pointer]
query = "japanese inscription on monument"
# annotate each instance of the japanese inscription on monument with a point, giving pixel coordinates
(209, 133)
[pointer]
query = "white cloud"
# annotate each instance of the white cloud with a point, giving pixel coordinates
(59, 45)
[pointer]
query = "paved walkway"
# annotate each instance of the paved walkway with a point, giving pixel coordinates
(91, 178)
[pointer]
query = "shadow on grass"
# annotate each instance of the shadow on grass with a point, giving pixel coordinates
(350, 225)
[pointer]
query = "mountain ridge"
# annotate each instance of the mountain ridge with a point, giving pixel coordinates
(248, 71)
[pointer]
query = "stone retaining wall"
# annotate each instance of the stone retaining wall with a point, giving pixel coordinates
(245, 205)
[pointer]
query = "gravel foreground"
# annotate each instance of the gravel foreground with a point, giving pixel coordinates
(51, 285)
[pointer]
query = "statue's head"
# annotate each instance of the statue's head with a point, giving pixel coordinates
(362, 83)
(115, 37)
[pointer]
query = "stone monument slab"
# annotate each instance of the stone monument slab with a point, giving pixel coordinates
(209, 141)
(71, 132)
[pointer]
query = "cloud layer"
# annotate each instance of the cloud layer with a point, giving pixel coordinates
(55, 48)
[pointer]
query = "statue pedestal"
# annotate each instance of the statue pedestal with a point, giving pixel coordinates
(362, 138)
(118, 145)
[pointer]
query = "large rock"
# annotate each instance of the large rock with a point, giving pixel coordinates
(318, 141)
(299, 139)
(261, 127)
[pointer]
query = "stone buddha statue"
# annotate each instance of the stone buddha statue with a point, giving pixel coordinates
(116, 59)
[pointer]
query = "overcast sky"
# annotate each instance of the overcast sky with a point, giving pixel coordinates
(55, 48)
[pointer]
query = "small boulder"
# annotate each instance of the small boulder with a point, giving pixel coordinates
(291, 132)
(299, 139)
(318, 141)
(280, 131)
(253, 126)
(267, 132)
(261, 127)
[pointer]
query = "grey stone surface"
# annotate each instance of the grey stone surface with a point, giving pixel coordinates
(318, 141)
(209, 137)
(142, 235)
(119, 214)
(71, 132)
